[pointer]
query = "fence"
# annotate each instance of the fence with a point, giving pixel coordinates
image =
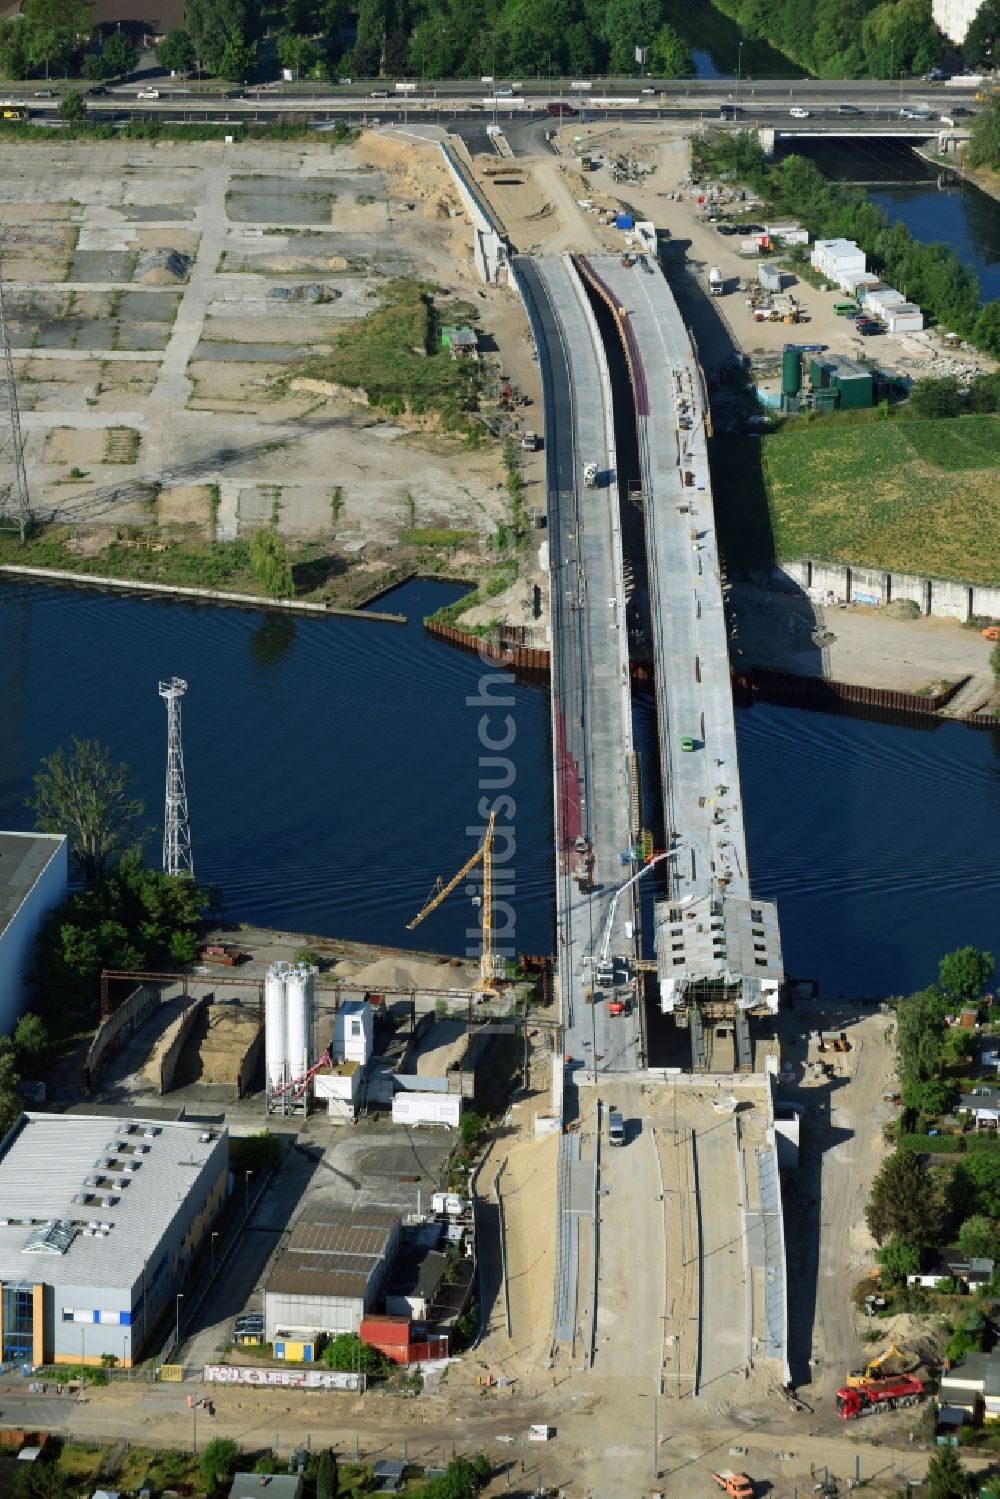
(126, 1019)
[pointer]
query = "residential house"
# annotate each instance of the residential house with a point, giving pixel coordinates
(983, 1104)
(972, 1388)
(937, 1267)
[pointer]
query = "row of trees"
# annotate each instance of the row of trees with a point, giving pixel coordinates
(930, 274)
(946, 396)
(845, 38)
(433, 38)
(462, 1479)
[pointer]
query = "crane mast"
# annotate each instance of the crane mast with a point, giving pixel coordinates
(487, 963)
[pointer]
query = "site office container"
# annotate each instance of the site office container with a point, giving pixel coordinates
(385, 1329)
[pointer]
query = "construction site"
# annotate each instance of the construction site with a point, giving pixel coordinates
(668, 1216)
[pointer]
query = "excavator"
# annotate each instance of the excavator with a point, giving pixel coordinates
(875, 1369)
(489, 967)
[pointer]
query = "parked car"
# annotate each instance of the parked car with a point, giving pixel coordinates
(798, 113)
(869, 330)
(727, 229)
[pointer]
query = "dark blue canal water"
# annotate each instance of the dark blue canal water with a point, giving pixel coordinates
(333, 771)
(934, 206)
(332, 764)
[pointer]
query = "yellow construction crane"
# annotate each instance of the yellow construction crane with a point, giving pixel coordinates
(487, 963)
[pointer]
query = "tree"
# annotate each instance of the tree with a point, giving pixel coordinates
(347, 1353)
(964, 973)
(981, 48)
(218, 1464)
(327, 1476)
(270, 564)
(903, 1202)
(977, 1238)
(898, 1259)
(936, 397)
(31, 1036)
(86, 797)
(299, 53)
(73, 108)
(470, 1127)
(239, 60)
(53, 29)
(118, 55)
(11, 1106)
(215, 25)
(670, 56)
(946, 1478)
(13, 56)
(462, 1479)
(920, 1031)
(176, 52)
(983, 149)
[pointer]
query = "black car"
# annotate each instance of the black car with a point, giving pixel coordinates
(727, 228)
(99, 88)
(869, 330)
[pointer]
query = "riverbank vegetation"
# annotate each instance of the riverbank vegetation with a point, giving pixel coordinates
(910, 496)
(834, 39)
(983, 149)
(933, 275)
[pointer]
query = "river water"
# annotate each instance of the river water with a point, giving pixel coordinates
(334, 767)
(932, 205)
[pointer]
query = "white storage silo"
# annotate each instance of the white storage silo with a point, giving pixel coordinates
(299, 1010)
(275, 1026)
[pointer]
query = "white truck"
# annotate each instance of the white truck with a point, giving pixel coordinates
(590, 475)
(716, 284)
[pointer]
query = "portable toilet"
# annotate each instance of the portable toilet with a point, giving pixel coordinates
(624, 221)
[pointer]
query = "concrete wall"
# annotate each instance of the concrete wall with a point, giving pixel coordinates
(865, 585)
(17, 943)
(170, 1058)
(248, 1066)
(127, 1018)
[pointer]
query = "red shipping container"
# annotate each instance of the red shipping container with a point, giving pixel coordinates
(385, 1329)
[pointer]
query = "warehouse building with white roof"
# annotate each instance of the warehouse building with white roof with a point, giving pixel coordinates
(99, 1220)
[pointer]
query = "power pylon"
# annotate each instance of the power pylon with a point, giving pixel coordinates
(177, 857)
(15, 506)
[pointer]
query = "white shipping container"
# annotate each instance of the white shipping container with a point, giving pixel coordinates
(427, 1108)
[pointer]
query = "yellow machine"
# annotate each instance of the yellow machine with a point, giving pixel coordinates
(488, 973)
(873, 1370)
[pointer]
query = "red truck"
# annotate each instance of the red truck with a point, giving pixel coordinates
(869, 1398)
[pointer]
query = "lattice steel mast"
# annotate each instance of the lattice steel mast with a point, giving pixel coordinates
(177, 857)
(15, 506)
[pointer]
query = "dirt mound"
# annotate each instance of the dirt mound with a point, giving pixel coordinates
(162, 267)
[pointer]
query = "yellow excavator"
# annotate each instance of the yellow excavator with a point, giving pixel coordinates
(875, 1369)
(488, 966)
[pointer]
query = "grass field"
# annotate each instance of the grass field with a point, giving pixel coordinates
(912, 496)
(395, 356)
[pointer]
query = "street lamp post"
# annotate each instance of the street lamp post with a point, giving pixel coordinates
(739, 70)
(177, 1318)
(246, 1193)
(215, 1235)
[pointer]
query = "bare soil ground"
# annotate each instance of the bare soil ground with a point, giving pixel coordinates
(254, 219)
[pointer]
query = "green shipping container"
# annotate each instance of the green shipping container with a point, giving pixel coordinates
(856, 393)
(819, 374)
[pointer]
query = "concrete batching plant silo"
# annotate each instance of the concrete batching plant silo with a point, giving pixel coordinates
(299, 983)
(288, 1023)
